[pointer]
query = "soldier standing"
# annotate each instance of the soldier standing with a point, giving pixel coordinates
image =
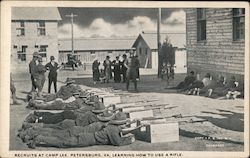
(132, 66)
(52, 66)
(124, 68)
(39, 76)
(32, 69)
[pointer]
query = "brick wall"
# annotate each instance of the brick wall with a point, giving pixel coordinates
(31, 39)
(219, 54)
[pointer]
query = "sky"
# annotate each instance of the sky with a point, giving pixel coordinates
(119, 22)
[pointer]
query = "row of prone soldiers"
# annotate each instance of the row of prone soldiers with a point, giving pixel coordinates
(84, 121)
(209, 87)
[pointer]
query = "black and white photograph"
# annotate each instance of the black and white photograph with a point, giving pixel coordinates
(126, 80)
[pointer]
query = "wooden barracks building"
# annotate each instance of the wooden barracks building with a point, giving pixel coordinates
(33, 29)
(216, 41)
(147, 49)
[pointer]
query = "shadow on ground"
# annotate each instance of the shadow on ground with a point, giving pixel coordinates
(232, 121)
(147, 84)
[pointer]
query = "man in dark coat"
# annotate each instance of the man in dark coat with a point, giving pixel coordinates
(110, 135)
(117, 70)
(132, 67)
(189, 79)
(52, 66)
(32, 69)
(124, 68)
(96, 72)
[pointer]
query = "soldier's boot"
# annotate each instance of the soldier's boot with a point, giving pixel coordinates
(127, 85)
(135, 84)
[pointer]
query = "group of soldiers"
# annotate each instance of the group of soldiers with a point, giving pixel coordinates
(128, 68)
(209, 87)
(37, 71)
(84, 121)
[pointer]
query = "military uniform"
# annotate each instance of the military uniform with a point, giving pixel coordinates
(32, 70)
(39, 76)
(109, 135)
(61, 133)
(65, 92)
(107, 69)
(132, 71)
(52, 67)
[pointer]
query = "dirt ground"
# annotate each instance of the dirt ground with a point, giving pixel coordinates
(223, 130)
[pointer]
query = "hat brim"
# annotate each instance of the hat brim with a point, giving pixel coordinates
(118, 122)
(98, 111)
(105, 118)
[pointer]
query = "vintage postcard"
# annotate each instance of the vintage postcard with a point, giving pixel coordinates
(124, 79)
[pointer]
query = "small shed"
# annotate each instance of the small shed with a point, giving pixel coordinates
(147, 51)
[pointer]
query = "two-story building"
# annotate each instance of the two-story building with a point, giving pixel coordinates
(33, 29)
(216, 41)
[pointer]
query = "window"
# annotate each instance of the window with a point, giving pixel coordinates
(201, 24)
(20, 30)
(109, 51)
(43, 48)
(140, 49)
(146, 51)
(92, 52)
(43, 55)
(43, 51)
(238, 24)
(41, 28)
(21, 54)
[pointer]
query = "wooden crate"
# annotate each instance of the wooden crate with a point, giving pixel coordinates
(107, 100)
(140, 114)
(158, 133)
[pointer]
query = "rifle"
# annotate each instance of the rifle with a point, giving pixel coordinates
(141, 101)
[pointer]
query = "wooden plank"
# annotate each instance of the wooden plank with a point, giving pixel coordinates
(122, 105)
(133, 109)
(140, 108)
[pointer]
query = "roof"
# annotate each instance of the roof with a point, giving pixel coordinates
(35, 13)
(95, 44)
(177, 39)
